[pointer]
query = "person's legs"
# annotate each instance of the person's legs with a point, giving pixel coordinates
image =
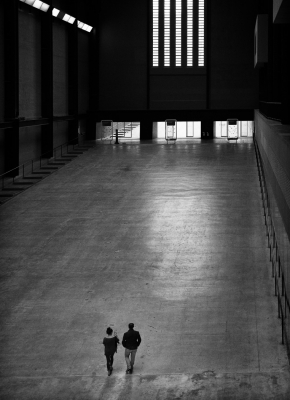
(133, 355)
(127, 353)
(112, 360)
(108, 357)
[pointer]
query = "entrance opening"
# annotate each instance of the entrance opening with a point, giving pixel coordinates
(245, 129)
(126, 130)
(184, 129)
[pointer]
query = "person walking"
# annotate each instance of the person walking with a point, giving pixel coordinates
(110, 342)
(131, 341)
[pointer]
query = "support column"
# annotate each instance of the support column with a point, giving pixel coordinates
(146, 129)
(73, 75)
(94, 77)
(206, 129)
(285, 66)
(47, 81)
(11, 85)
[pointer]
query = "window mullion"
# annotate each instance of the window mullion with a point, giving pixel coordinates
(184, 34)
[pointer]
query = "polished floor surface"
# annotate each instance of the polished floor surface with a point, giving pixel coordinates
(170, 237)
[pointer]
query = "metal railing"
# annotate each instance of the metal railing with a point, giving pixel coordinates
(277, 268)
(25, 175)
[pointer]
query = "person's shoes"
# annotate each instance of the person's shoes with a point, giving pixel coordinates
(128, 371)
(110, 371)
(131, 370)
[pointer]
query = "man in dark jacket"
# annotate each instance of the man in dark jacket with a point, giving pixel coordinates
(131, 341)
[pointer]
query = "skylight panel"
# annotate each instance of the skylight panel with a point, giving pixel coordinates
(29, 2)
(66, 17)
(71, 20)
(44, 7)
(37, 4)
(55, 12)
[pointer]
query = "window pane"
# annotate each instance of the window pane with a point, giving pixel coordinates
(201, 33)
(189, 61)
(167, 33)
(155, 33)
(178, 33)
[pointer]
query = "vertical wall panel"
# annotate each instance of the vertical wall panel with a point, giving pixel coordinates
(29, 143)
(2, 110)
(2, 156)
(83, 72)
(29, 64)
(11, 84)
(233, 80)
(123, 55)
(60, 68)
(60, 133)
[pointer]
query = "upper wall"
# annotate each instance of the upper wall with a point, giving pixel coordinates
(177, 92)
(123, 55)
(233, 81)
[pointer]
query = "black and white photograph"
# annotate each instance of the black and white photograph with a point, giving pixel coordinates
(145, 200)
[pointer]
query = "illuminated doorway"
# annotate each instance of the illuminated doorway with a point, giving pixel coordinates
(185, 130)
(127, 130)
(245, 129)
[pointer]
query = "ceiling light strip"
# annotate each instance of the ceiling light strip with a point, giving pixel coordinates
(40, 5)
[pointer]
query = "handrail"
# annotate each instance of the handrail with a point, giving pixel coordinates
(273, 245)
(41, 156)
(31, 162)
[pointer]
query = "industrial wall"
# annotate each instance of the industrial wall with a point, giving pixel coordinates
(37, 79)
(125, 82)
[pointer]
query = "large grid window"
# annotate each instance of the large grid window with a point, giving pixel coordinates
(166, 33)
(178, 33)
(189, 33)
(155, 33)
(201, 33)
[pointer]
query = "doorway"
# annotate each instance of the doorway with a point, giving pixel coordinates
(184, 129)
(245, 129)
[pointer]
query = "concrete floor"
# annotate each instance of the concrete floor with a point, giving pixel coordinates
(170, 237)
